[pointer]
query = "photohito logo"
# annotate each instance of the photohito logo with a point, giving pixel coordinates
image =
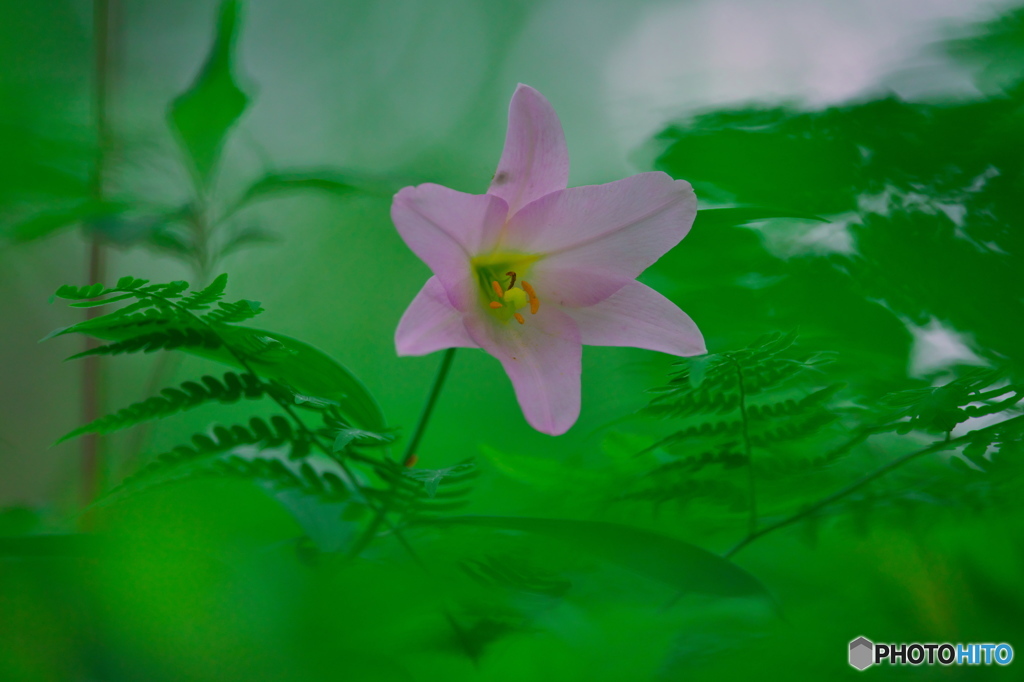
(864, 653)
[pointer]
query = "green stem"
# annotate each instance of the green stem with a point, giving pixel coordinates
(428, 408)
(751, 487)
(938, 446)
(417, 435)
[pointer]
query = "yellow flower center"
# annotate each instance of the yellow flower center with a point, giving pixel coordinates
(497, 275)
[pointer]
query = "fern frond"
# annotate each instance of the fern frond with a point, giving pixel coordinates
(727, 457)
(702, 430)
(281, 477)
(419, 493)
(205, 448)
(232, 313)
(190, 394)
(683, 493)
(204, 298)
(941, 408)
(165, 339)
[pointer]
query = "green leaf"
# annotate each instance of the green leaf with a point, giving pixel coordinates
(685, 567)
(332, 182)
(203, 115)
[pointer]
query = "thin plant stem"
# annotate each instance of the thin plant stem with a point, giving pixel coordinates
(410, 449)
(92, 368)
(428, 407)
(938, 446)
(745, 425)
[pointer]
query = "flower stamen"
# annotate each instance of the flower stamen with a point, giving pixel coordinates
(511, 274)
(519, 318)
(495, 304)
(534, 301)
(497, 289)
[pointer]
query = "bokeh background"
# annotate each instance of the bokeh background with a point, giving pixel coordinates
(900, 121)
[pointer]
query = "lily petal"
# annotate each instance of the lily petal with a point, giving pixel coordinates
(597, 238)
(543, 360)
(445, 228)
(535, 160)
(639, 316)
(431, 323)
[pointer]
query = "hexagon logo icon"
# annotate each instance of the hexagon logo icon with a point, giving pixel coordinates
(861, 653)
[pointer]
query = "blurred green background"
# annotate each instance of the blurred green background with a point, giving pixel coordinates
(899, 122)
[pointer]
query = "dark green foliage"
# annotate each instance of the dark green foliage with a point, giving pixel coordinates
(977, 393)
(885, 170)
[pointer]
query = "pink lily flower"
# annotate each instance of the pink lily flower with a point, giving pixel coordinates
(532, 270)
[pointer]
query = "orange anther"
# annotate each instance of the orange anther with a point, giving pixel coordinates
(534, 305)
(519, 319)
(497, 289)
(495, 305)
(529, 289)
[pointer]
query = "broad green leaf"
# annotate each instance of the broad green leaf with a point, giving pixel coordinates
(685, 567)
(203, 114)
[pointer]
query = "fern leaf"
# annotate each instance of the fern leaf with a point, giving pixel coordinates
(203, 449)
(280, 476)
(232, 313)
(165, 339)
(74, 293)
(174, 400)
(204, 298)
